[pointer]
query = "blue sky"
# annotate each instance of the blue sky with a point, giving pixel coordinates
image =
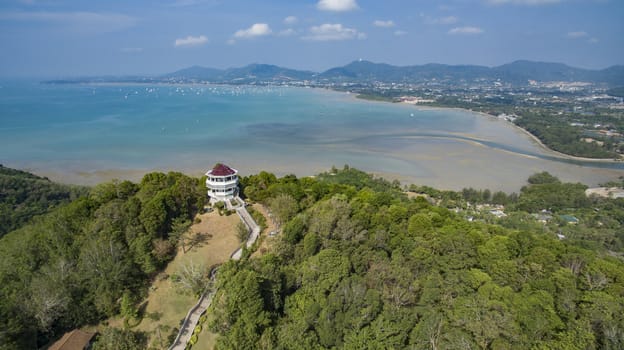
(57, 38)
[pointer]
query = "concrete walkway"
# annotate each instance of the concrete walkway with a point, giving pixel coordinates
(192, 317)
(253, 228)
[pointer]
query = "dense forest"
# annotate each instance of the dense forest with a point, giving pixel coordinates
(24, 195)
(87, 260)
(558, 134)
(539, 207)
(361, 266)
(358, 264)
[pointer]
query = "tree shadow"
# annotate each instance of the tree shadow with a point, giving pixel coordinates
(141, 309)
(154, 316)
(198, 240)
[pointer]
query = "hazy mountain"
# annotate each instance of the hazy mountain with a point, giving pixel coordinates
(515, 72)
(518, 72)
(195, 73)
(367, 71)
(613, 75)
(267, 72)
(249, 73)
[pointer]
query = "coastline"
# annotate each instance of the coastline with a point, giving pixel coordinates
(539, 142)
(533, 138)
(448, 150)
(355, 96)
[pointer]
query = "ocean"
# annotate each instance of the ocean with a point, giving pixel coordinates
(91, 133)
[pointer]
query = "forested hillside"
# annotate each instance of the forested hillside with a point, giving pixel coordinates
(361, 266)
(357, 265)
(24, 195)
(85, 260)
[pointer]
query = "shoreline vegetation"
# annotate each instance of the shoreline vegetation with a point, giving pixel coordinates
(534, 138)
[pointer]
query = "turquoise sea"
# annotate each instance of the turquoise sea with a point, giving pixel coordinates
(91, 133)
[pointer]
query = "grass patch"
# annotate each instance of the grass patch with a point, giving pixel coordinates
(214, 239)
(206, 339)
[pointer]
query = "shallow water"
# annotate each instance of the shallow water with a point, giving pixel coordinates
(91, 133)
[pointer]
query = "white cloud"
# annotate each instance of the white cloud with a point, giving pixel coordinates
(185, 3)
(257, 29)
(443, 20)
(337, 5)
(400, 32)
(465, 31)
(191, 41)
(329, 32)
(291, 20)
(577, 35)
(83, 21)
(287, 32)
(383, 24)
(523, 2)
(132, 49)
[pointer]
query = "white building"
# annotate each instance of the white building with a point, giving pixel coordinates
(222, 183)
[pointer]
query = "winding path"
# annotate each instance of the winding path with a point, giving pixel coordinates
(192, 317)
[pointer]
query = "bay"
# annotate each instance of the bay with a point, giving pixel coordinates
(91, 133)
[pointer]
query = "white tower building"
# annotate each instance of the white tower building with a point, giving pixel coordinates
(222, 183)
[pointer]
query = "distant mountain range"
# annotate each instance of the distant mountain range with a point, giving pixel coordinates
(518, 72)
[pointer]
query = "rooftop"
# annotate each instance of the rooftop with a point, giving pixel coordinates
(222, 170)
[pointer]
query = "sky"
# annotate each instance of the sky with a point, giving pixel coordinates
(59, 38)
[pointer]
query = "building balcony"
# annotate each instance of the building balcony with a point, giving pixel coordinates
(223, 193)
(221, 184)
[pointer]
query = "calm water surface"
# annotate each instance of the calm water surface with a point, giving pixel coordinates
(91, 133)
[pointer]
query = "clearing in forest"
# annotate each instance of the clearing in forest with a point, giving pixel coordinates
(210, 242)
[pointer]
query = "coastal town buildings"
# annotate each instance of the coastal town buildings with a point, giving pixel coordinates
(222, 183)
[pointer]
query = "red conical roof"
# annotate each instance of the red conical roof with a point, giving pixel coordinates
(222, 170)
